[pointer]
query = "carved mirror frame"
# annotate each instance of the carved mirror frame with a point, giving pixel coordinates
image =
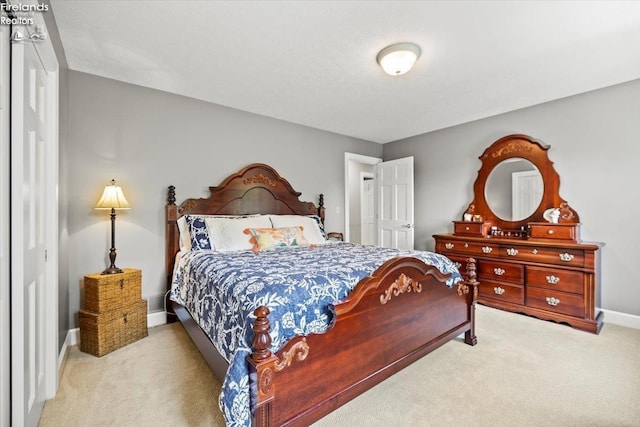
(525, 147)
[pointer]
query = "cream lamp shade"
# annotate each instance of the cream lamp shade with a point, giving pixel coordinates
(112, 198)
(398, 58)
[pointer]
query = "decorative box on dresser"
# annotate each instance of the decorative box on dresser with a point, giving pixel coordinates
(529, 260)
(114, 313)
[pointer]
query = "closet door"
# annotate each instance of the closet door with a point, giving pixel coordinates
(34, 151)
(4, 225)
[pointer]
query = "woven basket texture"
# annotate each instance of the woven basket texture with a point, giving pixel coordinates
(106, 292)
(102, 333)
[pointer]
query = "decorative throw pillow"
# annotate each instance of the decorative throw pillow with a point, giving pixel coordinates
(310, 225)
(227, 234)
(264, 239)
(198, 232)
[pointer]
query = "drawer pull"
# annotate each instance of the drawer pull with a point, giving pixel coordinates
(512, 252)
(498, 271)
(121, 283)
(553, 280)
(566, 257)
(449, 245)
(553, 301)
(498, 290)
(125, 318)
(466, 228)
(535, 251)
(550, 232)
(487, 249)
(466, 245)
(458, 265)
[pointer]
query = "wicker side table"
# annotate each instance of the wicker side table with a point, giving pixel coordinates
(114, 313)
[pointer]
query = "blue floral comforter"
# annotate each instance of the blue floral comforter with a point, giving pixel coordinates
(222, 289)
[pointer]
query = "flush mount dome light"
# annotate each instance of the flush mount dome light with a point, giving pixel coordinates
(398, 58)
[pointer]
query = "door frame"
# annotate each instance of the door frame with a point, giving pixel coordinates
(358, 158)
(48, 58)
(5, 177)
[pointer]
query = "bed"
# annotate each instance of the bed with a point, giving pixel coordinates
(398, 311)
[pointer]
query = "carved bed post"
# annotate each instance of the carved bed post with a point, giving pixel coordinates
(262, 368)
(171, 241)
(471, 285)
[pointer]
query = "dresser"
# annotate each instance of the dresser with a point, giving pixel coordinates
(526, 239)
(114, 313)
(550, 280)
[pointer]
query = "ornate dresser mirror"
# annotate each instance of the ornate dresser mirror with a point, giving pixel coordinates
(525, 238)
(517, 194)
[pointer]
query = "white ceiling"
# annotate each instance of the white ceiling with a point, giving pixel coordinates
(314, 62)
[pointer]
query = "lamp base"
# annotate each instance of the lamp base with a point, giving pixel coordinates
(112, 270)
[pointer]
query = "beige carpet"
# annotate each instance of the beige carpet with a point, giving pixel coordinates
(523, 372)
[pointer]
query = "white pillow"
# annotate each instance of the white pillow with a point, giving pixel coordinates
(186, 239)
(183, 231)
(227, 234)
(310, 228)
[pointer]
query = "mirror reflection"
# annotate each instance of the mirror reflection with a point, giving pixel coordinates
(514, 189)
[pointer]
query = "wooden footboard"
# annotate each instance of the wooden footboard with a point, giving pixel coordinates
(391, 319)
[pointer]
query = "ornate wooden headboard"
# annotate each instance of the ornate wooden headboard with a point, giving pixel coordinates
(256, 189)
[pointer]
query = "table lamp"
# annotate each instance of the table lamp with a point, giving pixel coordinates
(112, 198)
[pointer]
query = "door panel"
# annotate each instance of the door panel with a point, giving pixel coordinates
(395, 203)
(29, 134)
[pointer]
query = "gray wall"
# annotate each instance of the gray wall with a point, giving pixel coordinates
(595, 145)
(146, 140)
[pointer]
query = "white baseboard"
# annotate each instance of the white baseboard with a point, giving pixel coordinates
(70, 339)
(73, 335)
(622, 319)
(156, 318)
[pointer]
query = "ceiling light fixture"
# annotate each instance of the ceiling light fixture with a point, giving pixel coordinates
(398, 58)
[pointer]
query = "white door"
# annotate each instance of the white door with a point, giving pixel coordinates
(526, 193)
(368, 209)
(34, 328)
(395, 203)
(4, 224)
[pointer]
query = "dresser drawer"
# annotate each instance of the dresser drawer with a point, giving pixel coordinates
(500, 270)
(553, 231)
(501, 291)
(556, 301)
(471, 228)
(543, 255)
(471, 248)
(559, 280)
